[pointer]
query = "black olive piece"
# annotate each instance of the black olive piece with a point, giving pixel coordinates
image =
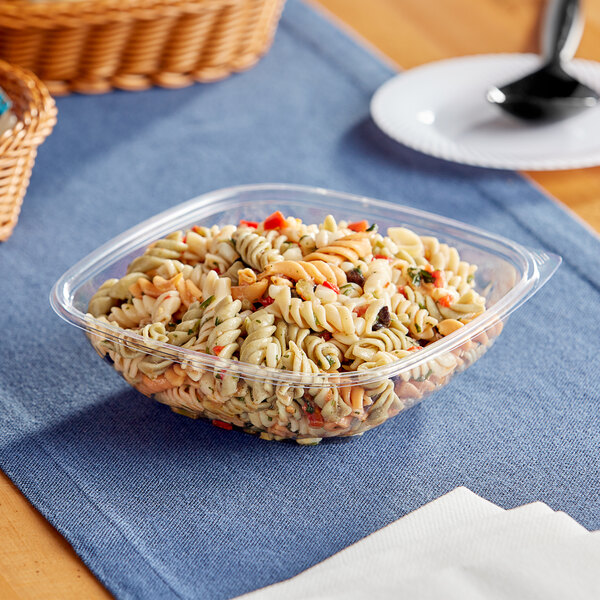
(383, 319)
(355, 276)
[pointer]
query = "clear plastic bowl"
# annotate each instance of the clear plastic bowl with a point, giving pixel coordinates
(508, 274)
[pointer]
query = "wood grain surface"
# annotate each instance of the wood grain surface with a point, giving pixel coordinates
(35, 560)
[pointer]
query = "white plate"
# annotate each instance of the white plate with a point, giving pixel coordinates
(440, 109)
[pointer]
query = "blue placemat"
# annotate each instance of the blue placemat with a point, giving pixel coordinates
(160, 506)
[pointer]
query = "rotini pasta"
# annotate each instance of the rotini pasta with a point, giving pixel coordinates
(318, 300)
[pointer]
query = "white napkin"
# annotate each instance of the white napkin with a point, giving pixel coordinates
(459, 546)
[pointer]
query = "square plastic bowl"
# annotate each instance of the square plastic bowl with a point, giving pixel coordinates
(508, 274)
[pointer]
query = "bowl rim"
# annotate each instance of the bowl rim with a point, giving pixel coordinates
(536, 268)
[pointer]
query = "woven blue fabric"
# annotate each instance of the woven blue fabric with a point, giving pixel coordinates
(160, 506)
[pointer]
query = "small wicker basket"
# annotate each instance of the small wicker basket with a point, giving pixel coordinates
(36, 115)
(91, 46)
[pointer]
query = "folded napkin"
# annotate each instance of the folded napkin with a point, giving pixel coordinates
(459, 546)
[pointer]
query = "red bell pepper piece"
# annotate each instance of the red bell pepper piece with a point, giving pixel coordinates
(315, 418)
(445, 301)
(252, 224)
(331, 286)
(274, 221)
(361, 310)
(359, 226)
(266, 301)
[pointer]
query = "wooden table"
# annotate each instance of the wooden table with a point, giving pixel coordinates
(35, 560)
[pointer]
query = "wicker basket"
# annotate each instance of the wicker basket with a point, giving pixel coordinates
(36, 116)
(91, 46)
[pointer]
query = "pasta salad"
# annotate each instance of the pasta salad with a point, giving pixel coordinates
(328, 298)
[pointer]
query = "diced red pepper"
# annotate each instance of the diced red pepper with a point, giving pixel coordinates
(266, 301)
(252, 224)
(361, 310)
(222, 424)
(326, 335)
(413, 348)
(438, 279)
(331, 286)
(274, 221)
(184, 240)
(401, 290)
(315, 418)
(218, 349)
(196, 229)
(445, 301)
(216, 270)
(358, 226)
(381, 256)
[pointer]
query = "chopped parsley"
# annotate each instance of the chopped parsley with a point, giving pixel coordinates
(418, 328)
(218, 321)
(425, 377)
(373, 227)
(471, 278)
(207, 302)
(419, 276)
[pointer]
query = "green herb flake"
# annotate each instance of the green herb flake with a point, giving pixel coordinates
(207, 302)
(218, 321)
(471, 278)
(418, 328)
(424, 377)
(373, 227)
(190, 332)
(418, 275)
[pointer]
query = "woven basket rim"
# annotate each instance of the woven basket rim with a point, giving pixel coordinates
(39, 117)
(16, 11)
